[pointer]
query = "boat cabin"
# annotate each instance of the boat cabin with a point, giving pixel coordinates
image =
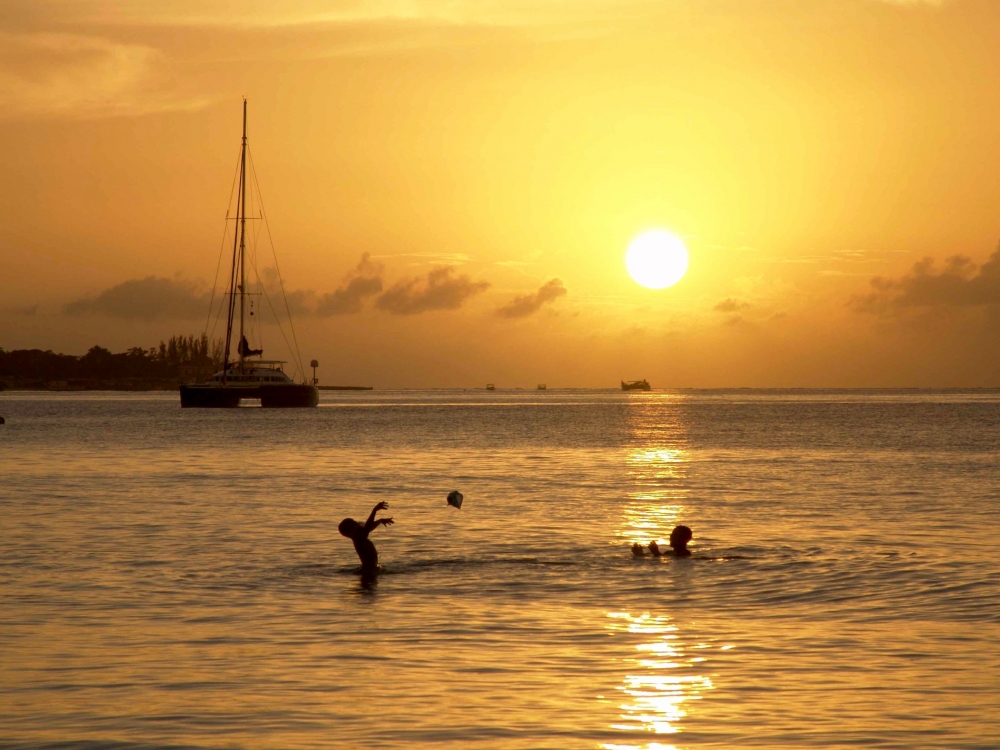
(260, 371)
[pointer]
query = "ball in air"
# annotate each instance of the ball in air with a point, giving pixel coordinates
(455, 498)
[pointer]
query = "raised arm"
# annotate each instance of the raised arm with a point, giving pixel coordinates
(371, 523)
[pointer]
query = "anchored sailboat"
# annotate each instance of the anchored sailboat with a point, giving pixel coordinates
(249, 376)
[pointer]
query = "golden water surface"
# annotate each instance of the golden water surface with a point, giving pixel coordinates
(175, 578)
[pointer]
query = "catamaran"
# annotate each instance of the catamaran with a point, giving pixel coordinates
(248, 375)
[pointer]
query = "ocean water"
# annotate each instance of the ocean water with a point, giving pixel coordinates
(175, 578)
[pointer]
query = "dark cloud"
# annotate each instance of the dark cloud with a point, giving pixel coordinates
(155, 297)
(439, 290)
(146, 299)
(958, 284)
(731, 305)
(301, 302)
(529, 304)
(363, 282)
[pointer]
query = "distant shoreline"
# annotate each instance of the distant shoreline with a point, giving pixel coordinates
(95, 386)
(182, 359)
(174, 387)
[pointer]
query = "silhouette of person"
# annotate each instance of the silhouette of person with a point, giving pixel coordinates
(679, 539)
(358, 534)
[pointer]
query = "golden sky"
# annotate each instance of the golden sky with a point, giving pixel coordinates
(452, 184)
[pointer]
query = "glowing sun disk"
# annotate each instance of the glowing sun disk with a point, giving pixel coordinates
(656, 259)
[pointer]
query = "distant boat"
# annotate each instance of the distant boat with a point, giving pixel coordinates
(248, 376)
(541, 386)
(636, 385)
(490, 387)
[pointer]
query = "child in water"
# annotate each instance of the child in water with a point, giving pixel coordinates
(358, 534)
(679, 539)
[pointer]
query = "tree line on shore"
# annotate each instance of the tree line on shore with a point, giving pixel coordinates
(181, 359)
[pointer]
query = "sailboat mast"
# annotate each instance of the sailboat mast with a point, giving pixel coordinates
(234, 271)
(243, 227)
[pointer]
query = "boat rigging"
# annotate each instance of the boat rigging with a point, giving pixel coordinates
(249, 376)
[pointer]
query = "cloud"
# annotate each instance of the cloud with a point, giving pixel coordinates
(731, 305)
(453, 259)
(297, 13)
(155, 297)
(958, 284)
(440, 290)
(46, 74)
(529, 304)
(363, 282)
(28, 311)
(146, 299)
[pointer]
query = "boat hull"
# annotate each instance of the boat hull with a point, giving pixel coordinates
(284, 396)
(288, 396)
(636, 385)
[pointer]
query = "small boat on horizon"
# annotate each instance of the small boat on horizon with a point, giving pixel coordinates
(542, 386)
(636, 385)
(490, 387)
(249, 376)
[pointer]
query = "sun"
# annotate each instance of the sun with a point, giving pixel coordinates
(656, 259)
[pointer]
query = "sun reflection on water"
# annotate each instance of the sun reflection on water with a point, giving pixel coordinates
(663, 674)
(656, 503)
(660, 681)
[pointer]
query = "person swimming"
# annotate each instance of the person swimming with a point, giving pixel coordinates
(679, 539)
(358, 534)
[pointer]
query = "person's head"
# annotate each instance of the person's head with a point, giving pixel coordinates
(680, 537)
(347, 526)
